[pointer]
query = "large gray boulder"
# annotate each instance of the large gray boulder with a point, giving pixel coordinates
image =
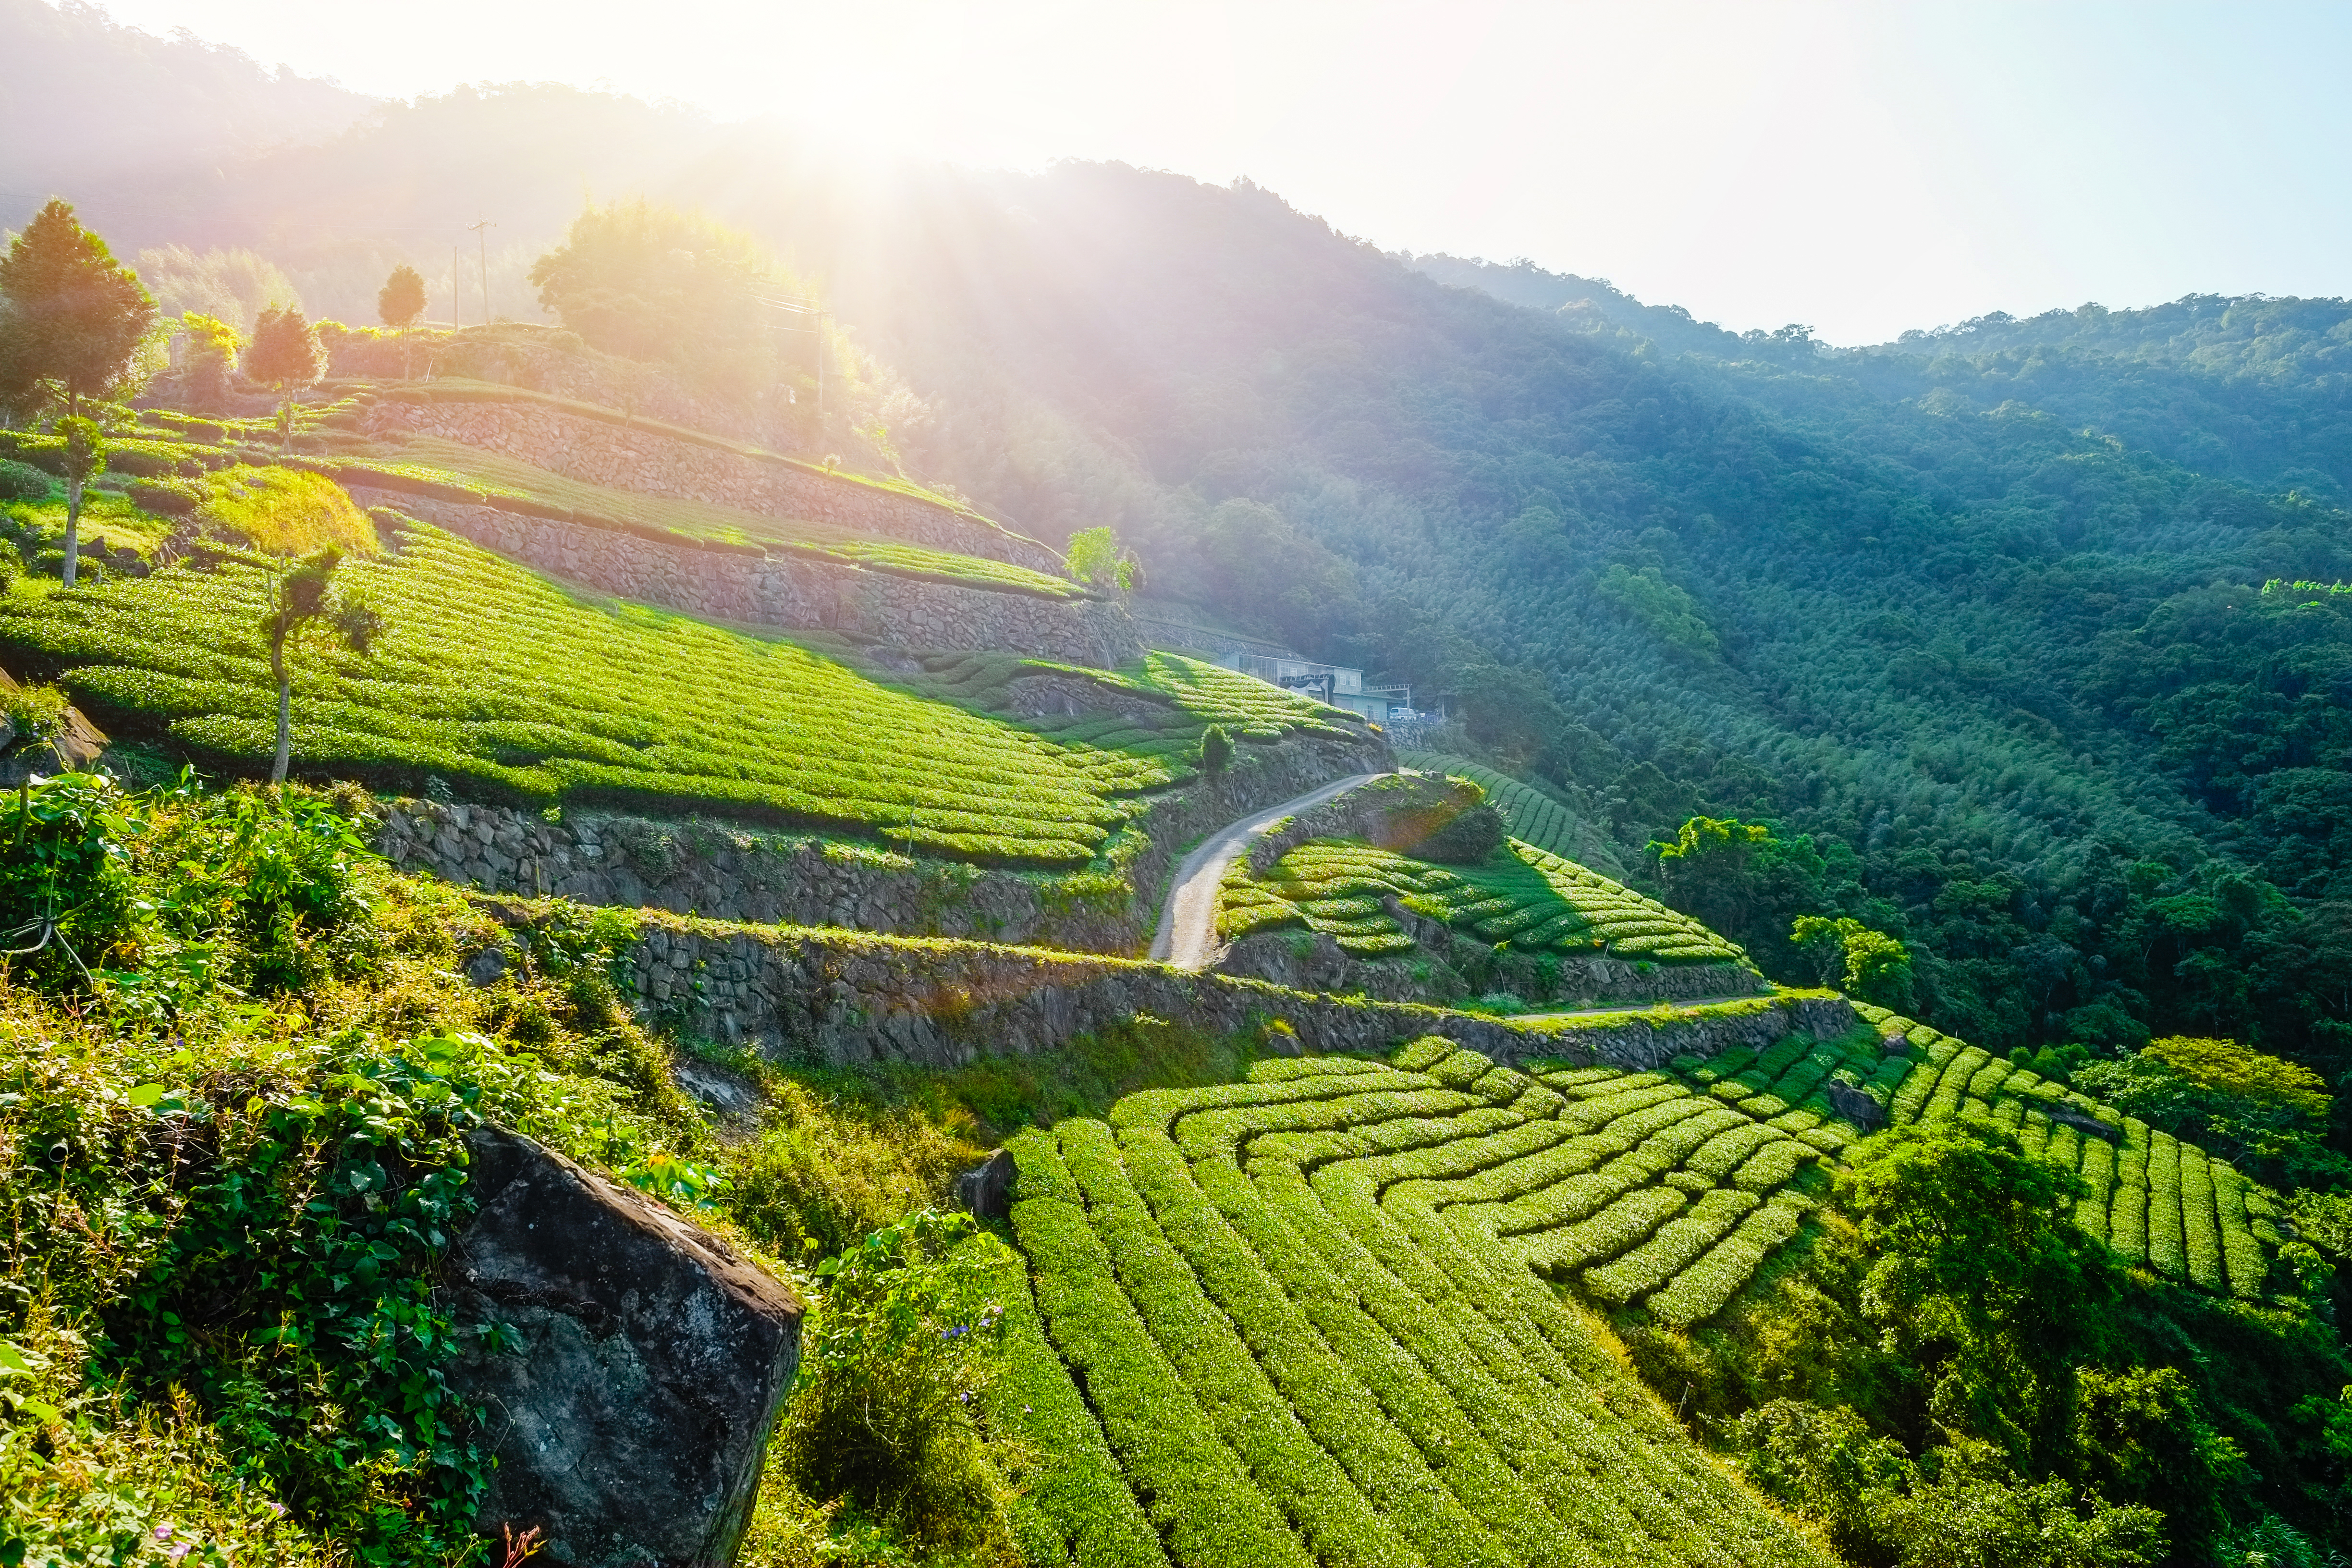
(631, 1422)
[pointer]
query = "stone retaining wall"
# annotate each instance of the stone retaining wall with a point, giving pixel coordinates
(652, 463)
(721, 872)
(845, 998)
(1449, 967)
(792, 593)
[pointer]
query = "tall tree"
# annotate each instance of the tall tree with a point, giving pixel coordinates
(212, 349)
(400, 301)
(285, 354)
(85, 459)
(306, 604)
(71, 318)
(650, 282)
(402, 298)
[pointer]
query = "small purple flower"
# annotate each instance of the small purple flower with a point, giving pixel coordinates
(162, 1532)
(181, 1550)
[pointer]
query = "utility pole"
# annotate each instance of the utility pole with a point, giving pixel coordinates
(484, 242)
(456, 306)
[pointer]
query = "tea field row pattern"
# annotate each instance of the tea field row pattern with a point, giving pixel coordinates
(1316, 1315)
(493, 677)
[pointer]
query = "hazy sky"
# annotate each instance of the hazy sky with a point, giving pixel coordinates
(1857, 167)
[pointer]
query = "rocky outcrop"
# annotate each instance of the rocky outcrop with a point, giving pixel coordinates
(631, 1411)
(74, 747)
(1857, 1107)
(985, 1192)
(723, 871)
(844, 999)
(792, 593)
(652, 462)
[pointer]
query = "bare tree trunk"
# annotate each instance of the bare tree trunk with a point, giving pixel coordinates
(73, 529)
(285, 712)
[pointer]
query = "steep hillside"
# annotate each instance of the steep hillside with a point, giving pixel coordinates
(1930, 604)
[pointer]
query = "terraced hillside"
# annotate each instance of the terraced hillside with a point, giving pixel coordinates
(1534, 817)
(1318, 1315)
(1523, 895)
(492, 676)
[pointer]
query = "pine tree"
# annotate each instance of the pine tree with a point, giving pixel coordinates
(71, 317)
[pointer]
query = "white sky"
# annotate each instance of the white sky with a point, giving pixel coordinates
(1857, 167)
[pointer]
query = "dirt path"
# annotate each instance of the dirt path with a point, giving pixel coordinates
(1187, 937)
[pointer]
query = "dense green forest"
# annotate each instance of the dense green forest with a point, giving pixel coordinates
(1974, 620)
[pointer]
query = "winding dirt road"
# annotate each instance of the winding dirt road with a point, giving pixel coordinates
(1187, 937)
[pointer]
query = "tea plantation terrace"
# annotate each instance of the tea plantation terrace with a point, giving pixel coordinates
(1314, 1315)
(496, 680)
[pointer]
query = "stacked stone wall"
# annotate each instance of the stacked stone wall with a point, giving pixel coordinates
(792, 593)
(650, 462)
(721, 872)
(1449, 967)
(844, 999)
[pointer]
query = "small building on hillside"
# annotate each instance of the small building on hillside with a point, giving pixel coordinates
(1387, 705)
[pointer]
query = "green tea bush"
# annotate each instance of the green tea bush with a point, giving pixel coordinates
(1533, 901)
(22, 482)
(493, 676)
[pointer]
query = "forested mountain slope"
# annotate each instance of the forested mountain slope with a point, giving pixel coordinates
(1952, 642)
(1977, 611)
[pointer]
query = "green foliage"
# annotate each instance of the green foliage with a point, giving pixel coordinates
(66, 901)
(2268, 1115)
(1868, 963)
(1216, 750)
(895, 1363)
(285, 511)
(72, 319)
(38, 713)
(1665, 608)
(213, 346)
(22, 482)
(1987, 601)
(823, 1171)
(1298, 1359)
(650, 282)
(1095, 557)
(1534, 902)
(443, 470)
(489, 675)
(285, 352)
(1882, 1511)
(307, 602)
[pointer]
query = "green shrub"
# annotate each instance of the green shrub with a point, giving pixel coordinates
(893, 1360)
(38, 713)
(22, 482)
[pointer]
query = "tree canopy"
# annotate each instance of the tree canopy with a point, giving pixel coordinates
(402, 298)
(652, 282)
(72, 319)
